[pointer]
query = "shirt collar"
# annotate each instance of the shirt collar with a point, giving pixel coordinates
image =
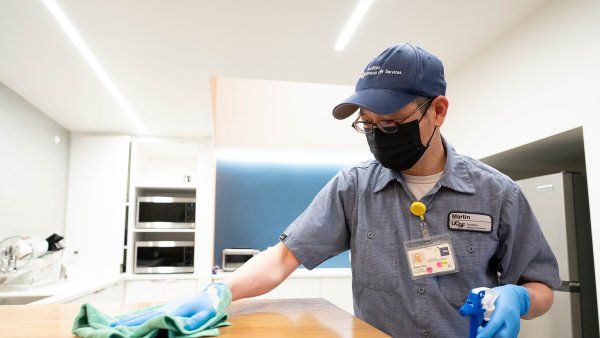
(455, 177)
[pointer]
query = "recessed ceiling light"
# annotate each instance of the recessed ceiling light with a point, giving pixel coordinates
(91, 59)
(355, 19)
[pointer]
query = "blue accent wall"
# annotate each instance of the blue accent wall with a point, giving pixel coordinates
(255, 202)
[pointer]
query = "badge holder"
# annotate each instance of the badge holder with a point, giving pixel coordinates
(431, 255)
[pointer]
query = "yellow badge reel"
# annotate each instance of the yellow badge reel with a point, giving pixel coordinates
(418, 209)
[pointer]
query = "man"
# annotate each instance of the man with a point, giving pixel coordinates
(424, 224)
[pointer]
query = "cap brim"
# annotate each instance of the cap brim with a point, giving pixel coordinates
(379, 101)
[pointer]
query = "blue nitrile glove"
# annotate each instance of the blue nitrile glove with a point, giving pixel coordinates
(198, 309)
(512, 303)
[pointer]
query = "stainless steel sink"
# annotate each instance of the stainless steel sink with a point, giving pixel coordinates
(20, 300)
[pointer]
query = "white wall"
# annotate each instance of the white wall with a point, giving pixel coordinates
(539, 80)
(284, 116)
(33, 169)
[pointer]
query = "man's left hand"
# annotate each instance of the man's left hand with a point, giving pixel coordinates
(512, 303)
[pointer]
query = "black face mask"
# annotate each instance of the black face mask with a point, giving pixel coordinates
(400, 150)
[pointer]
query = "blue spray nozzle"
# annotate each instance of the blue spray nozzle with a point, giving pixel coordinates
(474, 309)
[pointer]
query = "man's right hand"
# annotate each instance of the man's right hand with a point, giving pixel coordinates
(197, 309)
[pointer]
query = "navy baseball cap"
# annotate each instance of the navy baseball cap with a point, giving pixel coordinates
(393, 79)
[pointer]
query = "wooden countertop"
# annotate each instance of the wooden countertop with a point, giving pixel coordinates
(312, 317)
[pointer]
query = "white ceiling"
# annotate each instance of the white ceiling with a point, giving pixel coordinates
(160, 53)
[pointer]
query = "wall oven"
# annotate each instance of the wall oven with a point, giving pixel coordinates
(163, 257)
(161, 212)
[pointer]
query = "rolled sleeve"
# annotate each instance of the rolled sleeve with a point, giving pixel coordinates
(321, 231)
(523, 253)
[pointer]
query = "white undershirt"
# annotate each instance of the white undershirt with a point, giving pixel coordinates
(421, 185)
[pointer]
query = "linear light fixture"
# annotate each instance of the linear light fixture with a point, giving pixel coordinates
(359, 13)
(91, 59)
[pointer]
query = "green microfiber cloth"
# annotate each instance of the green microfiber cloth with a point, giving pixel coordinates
(91, 323)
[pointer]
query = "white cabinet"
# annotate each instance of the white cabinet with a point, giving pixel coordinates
(138, 290)
(334, 285)
(295, 288)
(338, 290)
(106, 175)
(165, 162)
(174, 167)
(97, 193)
(111, 294)
(159, 290)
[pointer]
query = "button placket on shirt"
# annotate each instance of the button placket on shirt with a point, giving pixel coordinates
(421, 289)
(422, 306)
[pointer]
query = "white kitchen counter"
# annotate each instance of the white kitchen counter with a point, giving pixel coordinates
(65, 289)
(73, 288)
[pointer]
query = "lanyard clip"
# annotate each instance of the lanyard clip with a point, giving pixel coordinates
(418, 209)
(424, 230)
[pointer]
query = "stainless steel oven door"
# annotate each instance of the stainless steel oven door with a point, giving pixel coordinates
(163, 257)
(161, 212)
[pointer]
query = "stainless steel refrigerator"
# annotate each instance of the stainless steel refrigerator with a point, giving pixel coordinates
(560, 204)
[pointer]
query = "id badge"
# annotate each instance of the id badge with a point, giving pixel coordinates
(431, 257)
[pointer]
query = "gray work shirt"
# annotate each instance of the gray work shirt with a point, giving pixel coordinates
(365, 208)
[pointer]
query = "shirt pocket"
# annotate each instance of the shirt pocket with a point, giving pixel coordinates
(376, 258)
(473, 252)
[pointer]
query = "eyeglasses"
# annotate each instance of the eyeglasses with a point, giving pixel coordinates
(386, 126)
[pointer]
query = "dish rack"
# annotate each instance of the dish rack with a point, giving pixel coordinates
(39, 271)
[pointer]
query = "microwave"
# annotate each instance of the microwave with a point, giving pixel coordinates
(163, 257)
(161, 212)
